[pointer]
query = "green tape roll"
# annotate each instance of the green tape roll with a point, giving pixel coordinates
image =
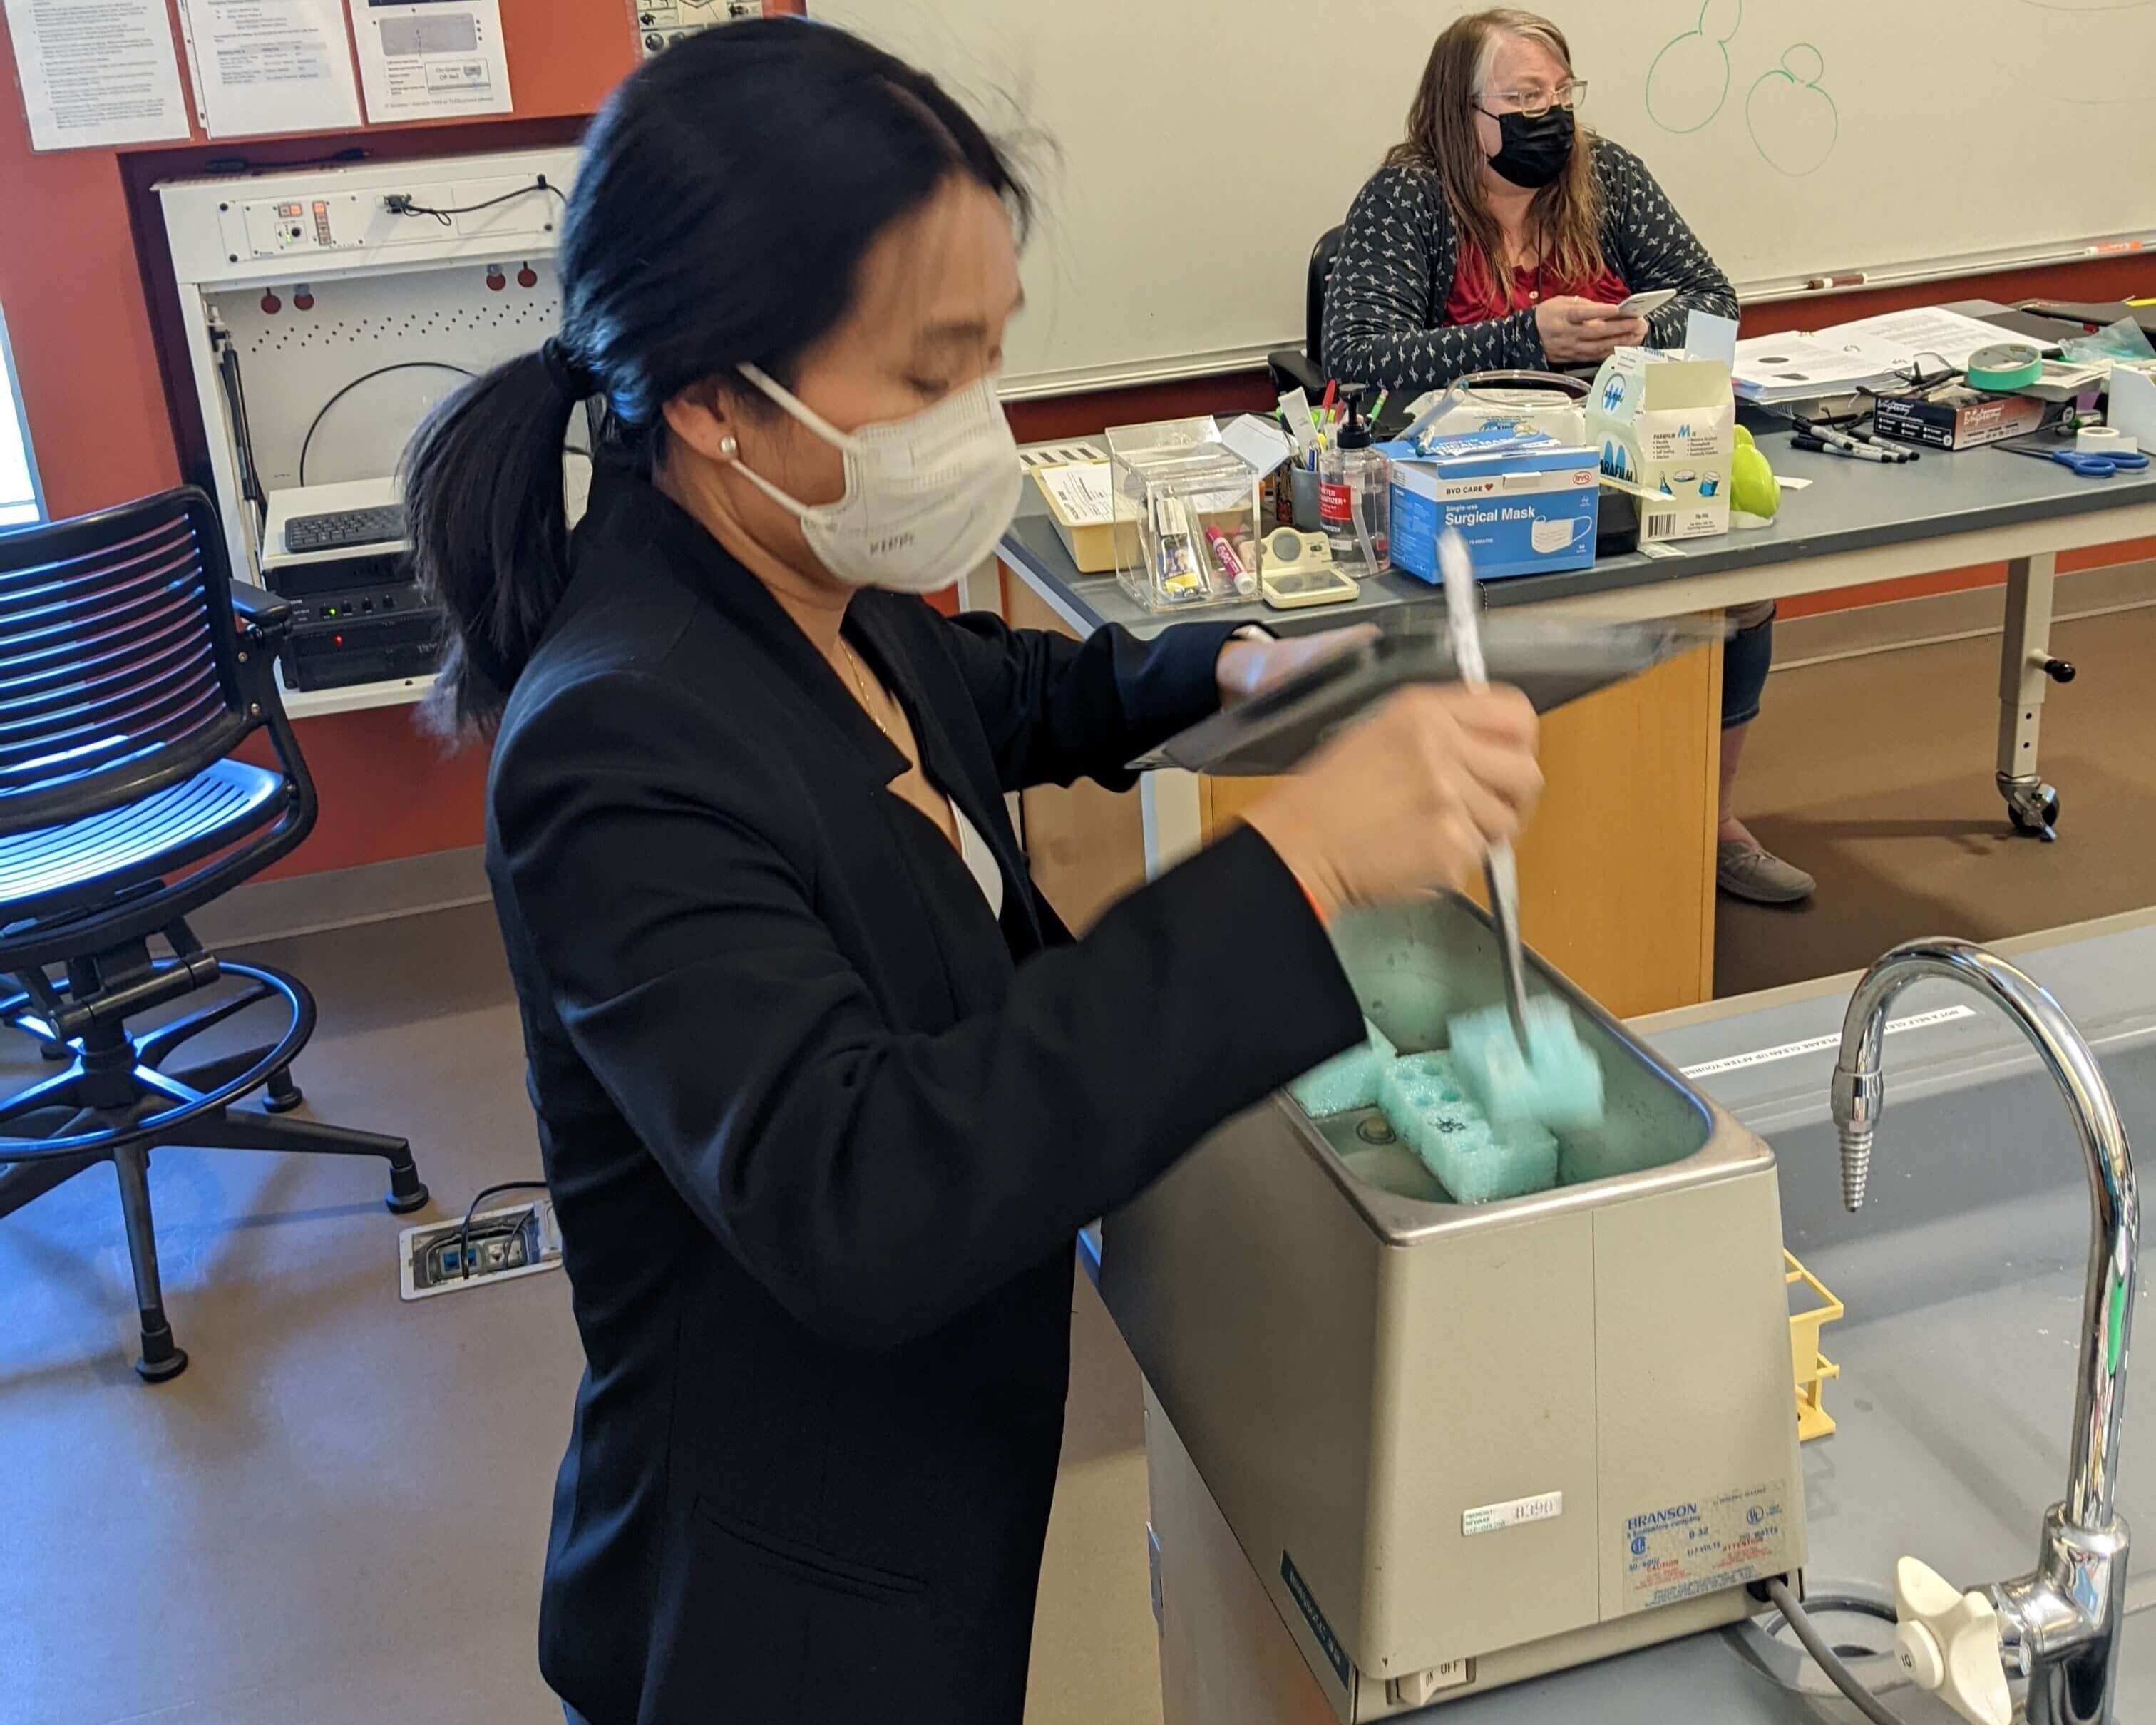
(2006, 368)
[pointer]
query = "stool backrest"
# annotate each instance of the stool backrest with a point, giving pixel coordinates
(1322, 256)
(119, 669)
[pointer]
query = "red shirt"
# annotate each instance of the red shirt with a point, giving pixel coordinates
(1475, 297)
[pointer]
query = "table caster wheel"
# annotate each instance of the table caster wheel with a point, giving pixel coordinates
(2035, 811)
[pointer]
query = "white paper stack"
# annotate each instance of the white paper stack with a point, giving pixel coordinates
(1870, 353)
(1771, 370)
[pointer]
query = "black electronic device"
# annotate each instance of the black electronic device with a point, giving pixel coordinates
(362, 634)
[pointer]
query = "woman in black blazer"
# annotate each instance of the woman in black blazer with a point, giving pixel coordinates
(823, 1087)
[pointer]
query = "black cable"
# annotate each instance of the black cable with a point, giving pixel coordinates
(401, 365)
(254, 164)
(399, 203)
(1824, 1657)
(464, 1231)
(236, 400)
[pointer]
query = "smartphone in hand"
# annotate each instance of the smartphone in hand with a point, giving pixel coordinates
(1639, 304)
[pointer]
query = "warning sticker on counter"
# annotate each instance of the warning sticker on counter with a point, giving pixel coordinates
(1819, 1044)
(1679, 1551)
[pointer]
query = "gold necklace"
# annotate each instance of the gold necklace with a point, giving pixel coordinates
(861, 688)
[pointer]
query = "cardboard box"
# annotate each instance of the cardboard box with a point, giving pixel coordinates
(1667, 425)
(1524, 502)
(1956, 418)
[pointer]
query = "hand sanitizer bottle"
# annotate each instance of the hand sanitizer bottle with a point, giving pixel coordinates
(1355, 495)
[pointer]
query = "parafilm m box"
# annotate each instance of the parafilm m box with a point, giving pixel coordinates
(1524, 502)
(1668, 426)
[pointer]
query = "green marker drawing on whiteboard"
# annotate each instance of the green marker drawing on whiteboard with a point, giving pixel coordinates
(1688, 81)
(1792, 121)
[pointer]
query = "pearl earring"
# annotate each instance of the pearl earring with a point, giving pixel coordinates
(728, 448)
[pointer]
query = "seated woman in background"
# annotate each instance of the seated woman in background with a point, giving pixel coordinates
(1497, 234)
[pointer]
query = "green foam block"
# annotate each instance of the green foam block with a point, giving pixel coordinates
(1425, 1102)
(1346, 1081)
(1556, 1081)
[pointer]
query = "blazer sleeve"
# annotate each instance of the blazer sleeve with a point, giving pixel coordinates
(1652, 248)
(1385, 302)
(879, 1182)
(1057, 709)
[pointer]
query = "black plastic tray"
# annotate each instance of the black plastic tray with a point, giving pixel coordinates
(1551, 660)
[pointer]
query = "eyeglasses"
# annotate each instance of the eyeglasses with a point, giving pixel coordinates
(1533, 103)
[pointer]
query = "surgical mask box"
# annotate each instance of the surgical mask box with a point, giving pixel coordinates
(1466, 1444)
(1524, 502)
(1667, 426)
(1184, 520)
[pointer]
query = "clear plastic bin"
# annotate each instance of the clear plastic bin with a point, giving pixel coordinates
(1188, 532)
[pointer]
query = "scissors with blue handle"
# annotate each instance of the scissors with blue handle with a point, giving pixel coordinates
(2087, 464)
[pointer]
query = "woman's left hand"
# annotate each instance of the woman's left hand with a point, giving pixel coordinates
(1248, 668)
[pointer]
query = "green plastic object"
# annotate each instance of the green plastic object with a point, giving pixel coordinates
(1752, 486)
(1346, 1081)
(1427, 1105)
(1554, 1082)
(1744, 438)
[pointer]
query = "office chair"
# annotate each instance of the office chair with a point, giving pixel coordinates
(1305, 370)
(126, 687)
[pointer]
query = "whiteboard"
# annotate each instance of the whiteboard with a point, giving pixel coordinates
(1188, 152)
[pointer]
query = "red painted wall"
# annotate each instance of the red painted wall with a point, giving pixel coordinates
(84, 280)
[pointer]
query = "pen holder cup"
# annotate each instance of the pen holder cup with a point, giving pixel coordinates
(1302, 484)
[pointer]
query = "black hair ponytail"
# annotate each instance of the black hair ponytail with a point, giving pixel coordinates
(489, 530)
(727, 194)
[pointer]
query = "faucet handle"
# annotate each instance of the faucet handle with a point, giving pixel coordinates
(1948, 1643)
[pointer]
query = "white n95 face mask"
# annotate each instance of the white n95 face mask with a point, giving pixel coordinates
(927, 498)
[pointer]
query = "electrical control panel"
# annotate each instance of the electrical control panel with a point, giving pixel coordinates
(661, 24)
(272, 227)
(321, 222)
(327, 309)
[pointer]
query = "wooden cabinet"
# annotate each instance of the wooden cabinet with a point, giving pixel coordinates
(1616, 873)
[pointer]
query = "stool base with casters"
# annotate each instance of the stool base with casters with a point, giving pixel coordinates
(118, 1098)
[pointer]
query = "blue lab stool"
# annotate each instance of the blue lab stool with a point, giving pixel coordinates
(131, 669)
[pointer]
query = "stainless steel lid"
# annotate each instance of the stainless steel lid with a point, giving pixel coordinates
(1551, 659)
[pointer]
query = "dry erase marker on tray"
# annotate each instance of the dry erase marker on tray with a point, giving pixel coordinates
(1231, 565)
(1855, 452)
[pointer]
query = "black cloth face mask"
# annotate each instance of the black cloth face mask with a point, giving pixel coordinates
(1534, 152)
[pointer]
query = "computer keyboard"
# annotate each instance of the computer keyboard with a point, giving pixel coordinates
(345, 527)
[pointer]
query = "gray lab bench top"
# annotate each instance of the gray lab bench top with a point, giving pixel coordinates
(1962, 1278)
(1850, 505)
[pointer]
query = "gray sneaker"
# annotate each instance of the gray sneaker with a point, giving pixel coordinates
(1746, 871)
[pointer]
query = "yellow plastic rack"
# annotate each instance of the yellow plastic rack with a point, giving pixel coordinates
(1812, 1368)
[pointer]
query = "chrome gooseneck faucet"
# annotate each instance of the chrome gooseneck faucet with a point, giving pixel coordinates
(2059, 1625)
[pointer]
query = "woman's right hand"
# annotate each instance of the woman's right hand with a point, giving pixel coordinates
(1409, 799)
(1574, 331)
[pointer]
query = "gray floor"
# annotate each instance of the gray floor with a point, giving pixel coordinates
(1875, 774)
(337, 1514)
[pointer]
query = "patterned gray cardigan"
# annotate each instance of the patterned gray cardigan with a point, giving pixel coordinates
(1385, 306)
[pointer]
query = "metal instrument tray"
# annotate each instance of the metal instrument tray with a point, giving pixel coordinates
(1551, 659)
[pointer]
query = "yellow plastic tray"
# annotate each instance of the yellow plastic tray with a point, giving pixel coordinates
(1812, 1368)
